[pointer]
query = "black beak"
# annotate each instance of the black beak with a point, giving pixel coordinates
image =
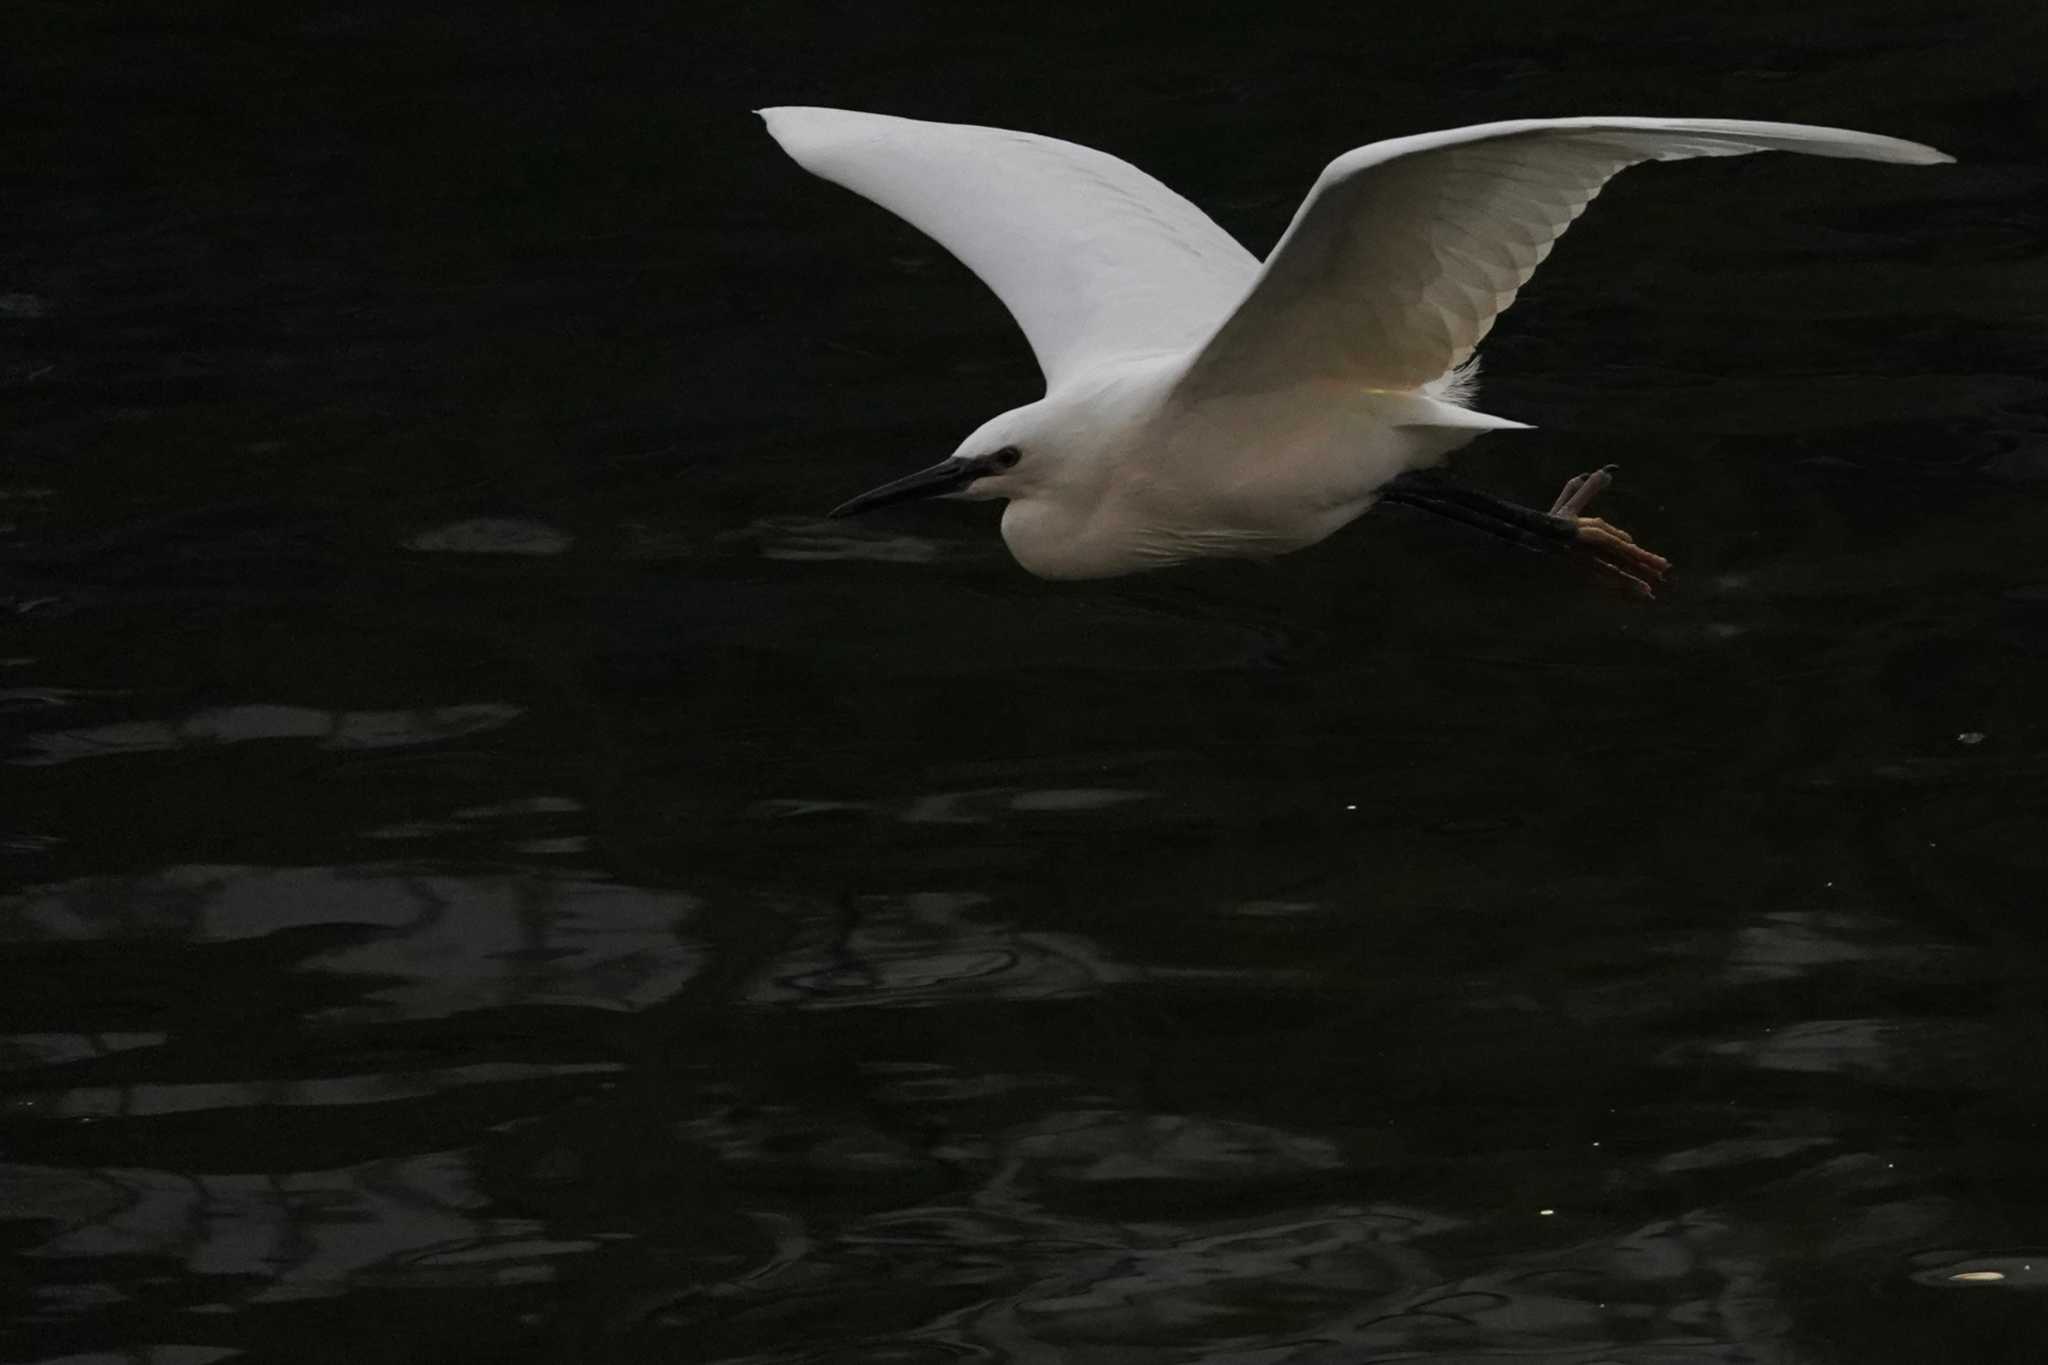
(947, 476)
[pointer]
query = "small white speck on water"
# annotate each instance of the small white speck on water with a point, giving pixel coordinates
(1546, 1212)
(1970, 737)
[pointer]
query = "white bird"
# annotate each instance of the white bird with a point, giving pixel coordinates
(1201, 403)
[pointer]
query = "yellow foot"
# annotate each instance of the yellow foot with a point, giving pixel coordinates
(1616, 552)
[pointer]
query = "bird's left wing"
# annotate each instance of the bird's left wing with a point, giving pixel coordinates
(1405, 252)
(1094, 258)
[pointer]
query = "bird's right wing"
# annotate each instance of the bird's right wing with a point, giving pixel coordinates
(1405, 252)
(1093, 257)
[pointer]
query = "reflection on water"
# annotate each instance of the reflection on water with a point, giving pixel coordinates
(423, 946)
(931, 947)
(255, 1239)
(492, 536)
(813, 539)
(1952, 1270)
(1175, 1047)
(993, 1180)
(230, 724)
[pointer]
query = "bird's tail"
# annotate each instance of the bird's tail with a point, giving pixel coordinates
(1458, 387)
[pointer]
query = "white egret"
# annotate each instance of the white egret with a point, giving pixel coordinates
(1199, 402)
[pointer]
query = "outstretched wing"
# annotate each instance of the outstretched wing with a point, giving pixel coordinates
(1094, 258)
(1405, 252)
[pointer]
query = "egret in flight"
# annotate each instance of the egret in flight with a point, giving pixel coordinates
(1200, 402)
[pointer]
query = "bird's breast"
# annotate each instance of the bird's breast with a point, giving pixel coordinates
(1055, 541)
(1250, 477)
(1151, 524)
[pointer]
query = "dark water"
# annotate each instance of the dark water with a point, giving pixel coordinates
(492, 875)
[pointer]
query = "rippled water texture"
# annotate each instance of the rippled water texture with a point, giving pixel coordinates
(491, 874)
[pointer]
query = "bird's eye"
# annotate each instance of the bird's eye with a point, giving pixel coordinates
(1006, 458)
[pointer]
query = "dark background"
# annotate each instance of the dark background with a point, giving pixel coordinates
(492, 874)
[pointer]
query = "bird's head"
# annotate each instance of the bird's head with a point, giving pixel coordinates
(1012, 456)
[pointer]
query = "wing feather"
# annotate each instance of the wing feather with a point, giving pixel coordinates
(1406, 251)
(1094, 258)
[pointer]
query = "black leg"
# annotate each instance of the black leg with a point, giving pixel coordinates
(1563, 528)
(1481, 511)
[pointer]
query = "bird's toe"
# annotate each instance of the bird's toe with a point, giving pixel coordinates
(1616, 552)
(1580, 490)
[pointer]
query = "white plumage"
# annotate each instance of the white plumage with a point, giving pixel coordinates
(1093, 257)
(1198, 402)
